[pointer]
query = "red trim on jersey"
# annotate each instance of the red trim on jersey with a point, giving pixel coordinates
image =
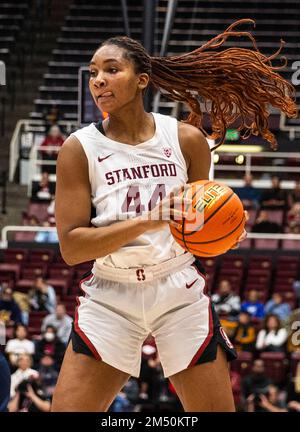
(87, 278)
(205, 289)
(207, 339)
(76, 324)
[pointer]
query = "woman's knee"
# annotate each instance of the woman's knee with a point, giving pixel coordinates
(86, 384)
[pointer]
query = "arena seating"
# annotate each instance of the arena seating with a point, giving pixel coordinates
(89, 22)
(12, 19)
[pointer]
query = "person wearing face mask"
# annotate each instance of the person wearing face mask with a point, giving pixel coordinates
(50, 345)
(61, 321)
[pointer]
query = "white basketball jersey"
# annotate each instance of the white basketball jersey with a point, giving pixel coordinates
(127, 180)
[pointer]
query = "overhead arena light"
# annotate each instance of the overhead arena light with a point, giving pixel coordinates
(239, 148)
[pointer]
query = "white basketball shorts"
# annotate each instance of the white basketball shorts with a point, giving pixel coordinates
(120, 308)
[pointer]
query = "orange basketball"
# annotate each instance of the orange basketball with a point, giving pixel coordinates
(214, 221)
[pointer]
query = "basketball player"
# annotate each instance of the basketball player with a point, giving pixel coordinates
(142, 281)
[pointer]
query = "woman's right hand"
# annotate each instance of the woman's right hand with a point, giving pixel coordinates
(171, 210)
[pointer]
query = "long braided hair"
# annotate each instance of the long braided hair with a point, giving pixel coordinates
(234, 84)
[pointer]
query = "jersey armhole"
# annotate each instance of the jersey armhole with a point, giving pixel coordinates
(74, 134)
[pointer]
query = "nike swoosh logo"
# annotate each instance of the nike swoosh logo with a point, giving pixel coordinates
(102, 159)
(191, 284)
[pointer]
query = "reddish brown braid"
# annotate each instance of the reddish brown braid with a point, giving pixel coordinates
(235, 84)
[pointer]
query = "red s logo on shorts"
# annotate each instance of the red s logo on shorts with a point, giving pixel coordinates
(226, 338)
(140, 274)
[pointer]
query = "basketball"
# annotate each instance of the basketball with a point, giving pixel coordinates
(213, 222)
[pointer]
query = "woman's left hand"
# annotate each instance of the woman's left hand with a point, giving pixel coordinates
(244, 233)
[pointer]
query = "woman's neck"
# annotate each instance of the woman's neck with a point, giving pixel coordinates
(131, 127)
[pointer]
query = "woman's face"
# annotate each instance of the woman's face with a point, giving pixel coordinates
(272, 323)
(113, 82)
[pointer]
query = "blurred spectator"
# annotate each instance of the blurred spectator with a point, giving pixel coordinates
(148, 372)
(10, 313)
(236, 382)
(256, 383)
(50, 345)
(269, 402)
(29, 397)
(254, 307)
(293, 219)
(42, 296)
(277, 307)
(294, 196)
(264, 225)
(51, 115)
(248, 194)
(23, 372)
(244, 335)
(32, 220)
(127, 398)
(54, 138)
(226, 302)
(131, 389)
(51, 212)
(43, 190)
(293, 392)
(48, 374)
(4, 383)
(121, 403)
(19, 345)
(22, 300)
(46, 236)
(61, 321)
(273, 336)
(275, 197)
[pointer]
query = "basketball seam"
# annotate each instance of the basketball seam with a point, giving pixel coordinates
(225, 202)
(220, 238)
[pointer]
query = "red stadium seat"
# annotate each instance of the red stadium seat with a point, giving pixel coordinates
(246, 244)
(243, 363)
(15, 255)
(285, 287)
(58, 259)
(60, 285)
(275, 365)
(294, 361)
(291, 245)
(33, 270)
(264, 260)
(208, 263)
(276, 216)
(235, 261)
(41, 255)
(266, 243)
(24, 236)
(24, 285)
(252, 217)
(11, 270)
(39, 210)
